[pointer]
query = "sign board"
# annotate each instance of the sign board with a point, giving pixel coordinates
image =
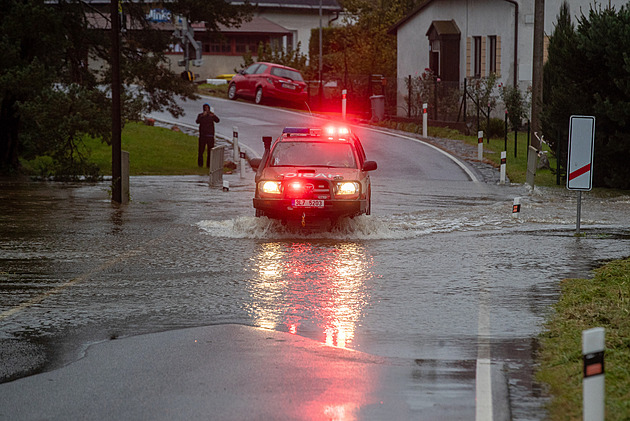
(581, 149)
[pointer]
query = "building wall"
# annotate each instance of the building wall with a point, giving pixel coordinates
(300, 22)
(482, 18)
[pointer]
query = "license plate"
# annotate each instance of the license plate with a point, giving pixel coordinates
(307, 203)
(288, 86)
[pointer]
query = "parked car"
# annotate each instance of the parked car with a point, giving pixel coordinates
(313, 174)
(262, 81)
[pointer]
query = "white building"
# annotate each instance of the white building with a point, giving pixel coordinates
(460, 39)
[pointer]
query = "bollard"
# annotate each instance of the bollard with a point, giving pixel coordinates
(503, 165)
(226, 185)
(124, 169)
(480, 145)
(235, 147)
(516, 207)
(343, 103)
(243, 156)
(593, 346)
(425, 118)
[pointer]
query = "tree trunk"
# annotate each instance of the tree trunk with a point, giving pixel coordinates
(9, 124)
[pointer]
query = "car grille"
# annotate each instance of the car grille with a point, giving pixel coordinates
(317, 189)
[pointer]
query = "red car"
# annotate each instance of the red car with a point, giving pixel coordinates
(263, 81)
(309, 175)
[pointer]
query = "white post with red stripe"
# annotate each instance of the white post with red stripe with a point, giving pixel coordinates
(480, 145)
(503, 165)
(580, 159)
(344, 93)
(593, 384)
(425, 118)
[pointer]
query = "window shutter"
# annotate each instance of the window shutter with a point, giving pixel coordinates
(498, 55)
(468, 42)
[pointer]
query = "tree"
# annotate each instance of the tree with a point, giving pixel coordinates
(285, 57)
(50, 97)
(590, 76)
(560, 92)
(362, 45)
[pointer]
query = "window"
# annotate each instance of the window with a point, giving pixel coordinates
(477, 56)
(245, 44)
(492, 46)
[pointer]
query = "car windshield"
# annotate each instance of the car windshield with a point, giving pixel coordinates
(286, 73)
(313, 154)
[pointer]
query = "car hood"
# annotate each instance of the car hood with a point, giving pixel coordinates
(279, 173)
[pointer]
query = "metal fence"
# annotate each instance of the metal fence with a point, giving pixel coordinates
(454, 104)
(403, 97)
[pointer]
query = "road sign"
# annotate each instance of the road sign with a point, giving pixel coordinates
(581, 148)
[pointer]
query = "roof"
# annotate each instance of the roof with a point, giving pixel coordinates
(444, 27)
(256, 25)
(294, 4)
(418, 8)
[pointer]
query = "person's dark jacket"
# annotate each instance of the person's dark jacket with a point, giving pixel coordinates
(206, 124)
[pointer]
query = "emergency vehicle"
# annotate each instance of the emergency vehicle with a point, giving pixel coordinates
(313, 174)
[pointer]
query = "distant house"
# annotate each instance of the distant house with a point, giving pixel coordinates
(460, 39)
(281, 23)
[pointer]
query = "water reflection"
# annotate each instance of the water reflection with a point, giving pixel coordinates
(313, 289)
(317, 290)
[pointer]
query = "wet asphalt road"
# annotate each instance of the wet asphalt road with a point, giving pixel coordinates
(440, 274)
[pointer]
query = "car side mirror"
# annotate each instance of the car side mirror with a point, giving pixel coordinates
(369, 166)
(255, 163)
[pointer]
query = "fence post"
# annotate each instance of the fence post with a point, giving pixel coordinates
(465, 98)
(425, 120)
(488, 125)
(409, 101)
(506, 130)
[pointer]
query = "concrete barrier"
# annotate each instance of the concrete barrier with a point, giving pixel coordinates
(216, 165)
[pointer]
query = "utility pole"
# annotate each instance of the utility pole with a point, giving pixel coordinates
(116, 124)
(321, 87)
(537, 89)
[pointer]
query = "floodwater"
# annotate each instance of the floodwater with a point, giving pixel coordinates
(440, 273)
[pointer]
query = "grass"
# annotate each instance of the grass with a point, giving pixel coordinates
(603, 301)
(152, 151)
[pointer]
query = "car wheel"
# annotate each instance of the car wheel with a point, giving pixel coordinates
(259, 96)
(232, 91)
(259, 213)
(368, 208)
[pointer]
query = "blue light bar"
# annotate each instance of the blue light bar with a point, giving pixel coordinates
(301, 131)
(296, 130)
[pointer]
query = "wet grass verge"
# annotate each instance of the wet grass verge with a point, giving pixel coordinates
(152, 151)
(603, 301)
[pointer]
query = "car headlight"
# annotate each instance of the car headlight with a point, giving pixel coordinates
(347, 188)
(269, 187)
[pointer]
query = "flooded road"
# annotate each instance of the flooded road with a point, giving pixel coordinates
(440, 274)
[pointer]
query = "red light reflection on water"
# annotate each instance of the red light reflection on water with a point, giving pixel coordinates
(303, 286)
(318, 291)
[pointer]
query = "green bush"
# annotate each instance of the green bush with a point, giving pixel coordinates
(496, 128)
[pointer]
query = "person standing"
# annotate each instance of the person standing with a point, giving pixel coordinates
(206, 122)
